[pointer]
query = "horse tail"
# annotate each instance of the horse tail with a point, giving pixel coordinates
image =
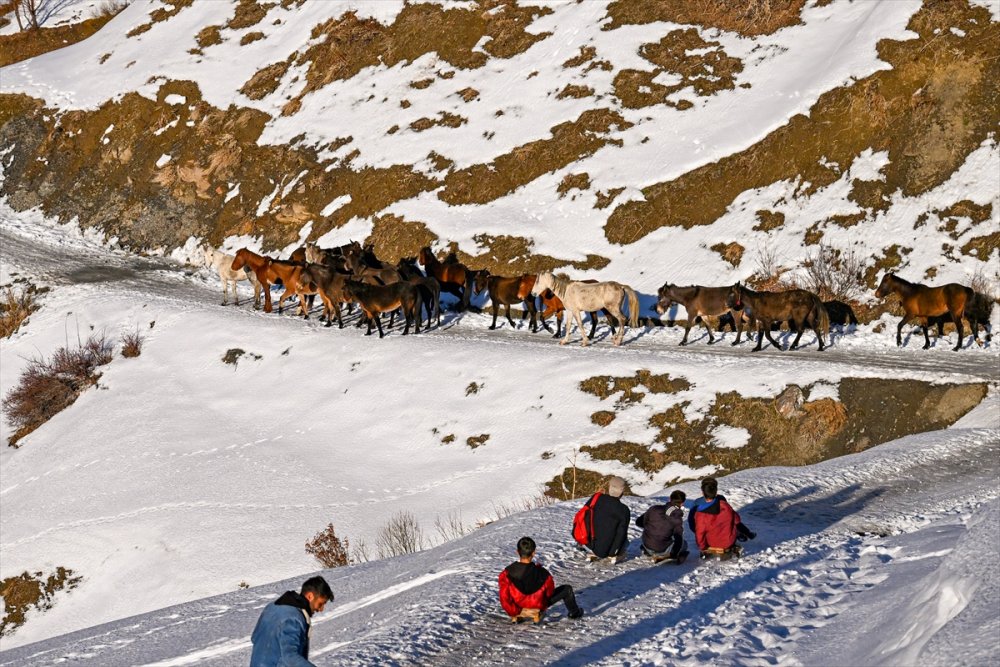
(633, 306)
(822, 314)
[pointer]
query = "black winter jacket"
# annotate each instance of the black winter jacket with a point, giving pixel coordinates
(659, 525)
(611, 520)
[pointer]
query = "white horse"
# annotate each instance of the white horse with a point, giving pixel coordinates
(579, 298)
(222, 264)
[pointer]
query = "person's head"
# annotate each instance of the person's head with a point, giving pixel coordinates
(317, 592)
(525, 548)
(616, 487)
(709, 487)
(677, 497)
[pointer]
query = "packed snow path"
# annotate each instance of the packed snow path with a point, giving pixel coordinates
(84, 263)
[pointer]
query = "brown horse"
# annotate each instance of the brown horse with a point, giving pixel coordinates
(262, 267)
(505, 291)
(329, 284)
(798, 306)
(377, 299)
(698, 303)
(977, 313)
(430, 289)
(553, 306)
(925, 301)
(454, 277)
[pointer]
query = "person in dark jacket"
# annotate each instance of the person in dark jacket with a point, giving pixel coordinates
(715, 523)
(525, 584)
(611, 520)
(281, 637)
(663, 529)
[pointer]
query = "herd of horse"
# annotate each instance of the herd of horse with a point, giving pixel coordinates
(352, 274)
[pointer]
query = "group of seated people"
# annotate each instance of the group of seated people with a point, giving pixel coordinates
(527, 589)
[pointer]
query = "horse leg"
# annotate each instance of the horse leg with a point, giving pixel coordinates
(281, 300)
(534, 315)
(256, 295)
(799, 328)
(620, 316)
(225, 292)
(961, 331)
(378, 322)
(899, 330)
(927, 338)
(496, 311)
(738, 323)
(578, 316)
(711, 338)
(687, 330)
(507, 313)
(559, 321)
(569, 325)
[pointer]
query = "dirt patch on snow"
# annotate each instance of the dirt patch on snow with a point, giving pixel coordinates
(32, 591)
(749, 17)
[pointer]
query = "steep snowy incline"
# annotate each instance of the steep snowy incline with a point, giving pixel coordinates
(837, 542)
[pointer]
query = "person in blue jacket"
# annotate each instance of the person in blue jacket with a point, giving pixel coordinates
(281, 638)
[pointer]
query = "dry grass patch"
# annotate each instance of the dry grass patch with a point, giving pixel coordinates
(706, 73)
(330, 550)
(747, 17)
(251, 37)
(468, 94)
(575, 92)
(768, 220)
(573, 182)
(602, 417)
(931, 109)
(265, 81)
(351, 43)
(475, 441)
(27, 591)
(982, 247)
(30, 43)
(444, 119)
(209, 36)
(395, 238)
(604, 199)
(249, 13)
(576, 482)
(17, 303)
(570, 141)
(160, 14)
(47, 387)
(606, 386)
(731, 252)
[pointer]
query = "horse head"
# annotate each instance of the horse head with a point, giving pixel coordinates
(208, 255)
(544, 282)
(240, 260)
(480, 280)
(665, 298)
(885, 286)
(735, 297)
(425, 255)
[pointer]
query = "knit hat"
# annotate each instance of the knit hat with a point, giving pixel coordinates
(616, 487)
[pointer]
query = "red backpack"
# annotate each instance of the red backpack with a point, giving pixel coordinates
(583, 522)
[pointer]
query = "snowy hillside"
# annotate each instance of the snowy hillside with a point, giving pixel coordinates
(628, 140)
(885, 557)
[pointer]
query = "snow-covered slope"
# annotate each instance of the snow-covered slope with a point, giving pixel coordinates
(884, 557)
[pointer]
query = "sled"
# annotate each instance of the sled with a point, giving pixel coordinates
(657, 560)
(722, 554)
(535, 615)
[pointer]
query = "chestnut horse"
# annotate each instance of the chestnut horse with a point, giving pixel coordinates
(377, 299)
(925, 301)
(270, 271)
(580, 297)
(798, 306)
(454, 277)
(505, 291)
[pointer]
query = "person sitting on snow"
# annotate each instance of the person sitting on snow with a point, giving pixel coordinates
(526, 586)
(663, 530)
(610, 523)
(715, 524)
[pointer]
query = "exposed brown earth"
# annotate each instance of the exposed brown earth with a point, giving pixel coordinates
(32, 591)
(30, 43)
(935, 106)
(749, 17)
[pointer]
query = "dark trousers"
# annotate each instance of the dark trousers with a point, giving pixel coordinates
(742, 530)
(565, 594)
(672, 551)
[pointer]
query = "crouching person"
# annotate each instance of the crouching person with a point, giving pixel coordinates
(281, 638)
(527, 588)
(716, 524)
(663, 530)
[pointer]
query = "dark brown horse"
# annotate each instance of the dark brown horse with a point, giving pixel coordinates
(798, 306)
(925, 301)
(377, 299)
(329, 284)
(430, 289)
(454, 277)
(698, 302)
(505, 291)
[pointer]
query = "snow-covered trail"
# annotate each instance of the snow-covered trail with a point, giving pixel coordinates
(833, 538)
(85, 262)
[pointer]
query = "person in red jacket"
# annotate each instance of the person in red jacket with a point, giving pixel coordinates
(525, 584)
(715, 523)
